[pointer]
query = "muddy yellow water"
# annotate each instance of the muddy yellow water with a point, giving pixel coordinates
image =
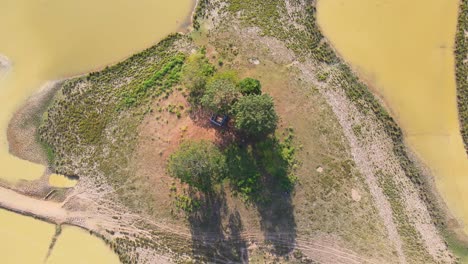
(404, 49)
(75, 246)
(50, 39)
(27, 240)
(23, 239)
(61, 181)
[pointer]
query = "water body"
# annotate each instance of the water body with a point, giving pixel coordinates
(75, 246)
(404, 50)
(52, 39)
(61, 181)
(23, 239)
(27, 240)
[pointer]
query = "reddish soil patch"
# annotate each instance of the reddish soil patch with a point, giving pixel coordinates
(160, 133)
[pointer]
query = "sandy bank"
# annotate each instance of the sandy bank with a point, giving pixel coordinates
(25, 205)
(22, 128)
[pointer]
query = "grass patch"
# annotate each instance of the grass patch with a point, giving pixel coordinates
(160, 82)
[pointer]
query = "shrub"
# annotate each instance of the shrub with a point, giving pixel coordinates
(243, 171)
(195, 73)
(198, 164)
(255, 115)
(250, 86)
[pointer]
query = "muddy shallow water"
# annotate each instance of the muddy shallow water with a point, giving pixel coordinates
(404, 50)
(52, 39)
(27, 240)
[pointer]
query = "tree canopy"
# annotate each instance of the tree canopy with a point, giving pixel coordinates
(198, 164)
(255, 115)
(250, 86)
(220, 95)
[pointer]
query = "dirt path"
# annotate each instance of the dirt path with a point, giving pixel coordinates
(25, 205)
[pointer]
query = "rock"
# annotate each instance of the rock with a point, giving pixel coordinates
(355, 195)
(254, 61)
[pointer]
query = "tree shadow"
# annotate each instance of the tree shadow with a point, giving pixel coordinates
(259, 173)
(211, 241)
(275, 198)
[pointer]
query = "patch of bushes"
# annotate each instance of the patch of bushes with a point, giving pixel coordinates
(161, 81)
(250, 86)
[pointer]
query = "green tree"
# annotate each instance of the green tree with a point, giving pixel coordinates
(220, 95)
(255, 115)
(250, 86)
(199, 164)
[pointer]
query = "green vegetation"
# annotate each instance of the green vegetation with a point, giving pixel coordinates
(255, 115)
(186, 203)
(256, 170)
(243, 172)
(221, 92)
(263, 159)
(195, 73)
(461, 53)
(249, 86)
(161, 81)
(220, 95)
(278, 159)
(199, 164)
